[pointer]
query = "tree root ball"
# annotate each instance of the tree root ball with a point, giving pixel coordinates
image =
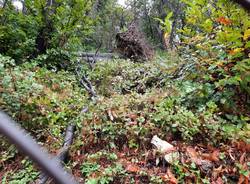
(133, 45)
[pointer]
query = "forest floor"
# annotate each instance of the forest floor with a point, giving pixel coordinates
(135, 102)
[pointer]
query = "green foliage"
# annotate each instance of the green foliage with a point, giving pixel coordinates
(39, 98)
(44, 27)
(17, 33)
(56, 59)
(45, 101)
(124, 77)
(108, 175)
(107, 155)
(166, 25)
(110, 19)
(26, 175)
(89, 168)
(218, 35)
(135, 100)
(194, 113)
(183, 121)
(184, 170)
(104, 175)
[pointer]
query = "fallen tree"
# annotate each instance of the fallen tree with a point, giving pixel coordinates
(92, 58)
(99, 55)
(133, 45)
(69, 134)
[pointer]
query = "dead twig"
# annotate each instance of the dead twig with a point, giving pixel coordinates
(85, 82)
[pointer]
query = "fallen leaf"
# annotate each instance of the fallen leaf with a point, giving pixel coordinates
(242, 158)
(213, 157)
(132, 168)
(204, 164)
(224, 20)
(132, 123)
(217, 171)
(218, 181)
(242, 146)
(241, 179)
(236, 51)
(169, 177)
(246, 34)
(133, 117)
(161, 145)
(110, 115)
(192, 153)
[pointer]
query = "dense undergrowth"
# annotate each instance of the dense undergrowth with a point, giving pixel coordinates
(42, 101)
(135, 102)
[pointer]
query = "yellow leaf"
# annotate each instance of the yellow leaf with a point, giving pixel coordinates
(246, 34)
(236, 51)
(166, 35)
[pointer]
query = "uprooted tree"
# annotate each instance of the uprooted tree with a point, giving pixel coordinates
(133, 45)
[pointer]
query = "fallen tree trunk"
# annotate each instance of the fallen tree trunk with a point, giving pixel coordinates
(90, 54)
(85, 82)
(92, 58)
(88, 86)
(63, 153)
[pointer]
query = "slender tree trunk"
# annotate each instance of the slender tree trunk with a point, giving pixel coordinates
(146, 12)
(162, 15)
(95, 8)
(4, 17)
(5, 3)
(174, 26)
(24, 10)
(45, 34)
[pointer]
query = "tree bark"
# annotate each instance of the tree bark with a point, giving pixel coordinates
(45, 34)
(174, 25)
(5, 3)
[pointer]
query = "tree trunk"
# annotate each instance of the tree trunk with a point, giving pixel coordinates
(5, 3)
(45, 34)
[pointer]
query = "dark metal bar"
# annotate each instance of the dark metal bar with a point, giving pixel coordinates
(244, 3)
(25, 143)
(68, 141)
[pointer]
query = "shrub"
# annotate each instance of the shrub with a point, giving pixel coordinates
(39, 98)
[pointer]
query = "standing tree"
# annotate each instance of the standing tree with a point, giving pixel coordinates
(110, 18)
(43, 25)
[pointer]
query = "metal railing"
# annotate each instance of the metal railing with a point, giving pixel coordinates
(27, 145)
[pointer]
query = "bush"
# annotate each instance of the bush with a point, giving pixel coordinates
(194, 114)
(38, 98)
(17, 34)
(56, 59)
(124, 77)
(218, 37)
